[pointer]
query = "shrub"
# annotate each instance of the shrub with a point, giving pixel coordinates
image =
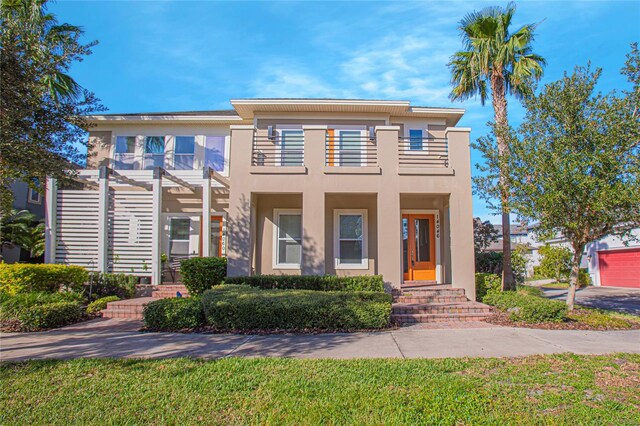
(103, 285)
(312, 282)
(12, 306)
(241, 307)
(50, 315)
(555, 262)
(174, 314)
(201, 273)
(487, 283)
(524, 307)
(489, 262)
(26, 278)
(100, 304)
(584, 279)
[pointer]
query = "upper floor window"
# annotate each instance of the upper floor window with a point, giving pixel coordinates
(291, 146)
(214, 153)
(153, 152)
(124, 158)
(350, 151)
(184, 152)
(415, 139)
(34, 196)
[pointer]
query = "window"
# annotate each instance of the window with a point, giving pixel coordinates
(350, 152)
(184, 152)
(287, 239)
(34, 196)
(124, 158)
(179, 232)
(214, 152)
(415, 139)
(350, 239)
(153, 152)
(291, 147)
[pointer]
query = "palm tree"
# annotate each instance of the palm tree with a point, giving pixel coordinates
(503, 62)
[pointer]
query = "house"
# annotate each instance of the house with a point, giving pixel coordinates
(24, 198)
(279, 186)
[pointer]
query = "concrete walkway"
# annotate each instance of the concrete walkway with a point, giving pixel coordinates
(118, 338)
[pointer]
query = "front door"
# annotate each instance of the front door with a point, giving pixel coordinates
(418, 247)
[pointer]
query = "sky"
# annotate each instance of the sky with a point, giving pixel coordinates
(172, 56)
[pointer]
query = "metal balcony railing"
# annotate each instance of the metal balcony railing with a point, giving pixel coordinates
(345, 150)
(276, 151)
(423, 152)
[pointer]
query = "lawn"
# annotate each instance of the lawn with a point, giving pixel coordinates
(559, 389)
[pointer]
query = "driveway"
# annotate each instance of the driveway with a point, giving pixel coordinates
(619, 299)
(118, 339)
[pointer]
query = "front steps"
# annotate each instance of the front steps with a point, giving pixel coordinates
(435, 303)
(132, 308)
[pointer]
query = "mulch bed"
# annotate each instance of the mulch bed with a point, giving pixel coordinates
(502, 319)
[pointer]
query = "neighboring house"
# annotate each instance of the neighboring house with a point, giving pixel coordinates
(610, 261)
(279, 186)
(24, 198)
(518, 236)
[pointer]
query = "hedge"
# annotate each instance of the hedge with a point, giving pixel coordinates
(102, 285)
(201, 273)
(50, 315)
(525, 307)
(173, 314)
(487, 283)
(312, 282)
(26, 278)
(241, 307)
(100, 304)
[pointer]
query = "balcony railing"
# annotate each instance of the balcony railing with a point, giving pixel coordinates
(423, 152)
(277, 151)
(346, 150)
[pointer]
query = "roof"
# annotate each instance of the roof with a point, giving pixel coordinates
(215, 112)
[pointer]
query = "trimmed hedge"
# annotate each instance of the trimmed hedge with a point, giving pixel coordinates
(241, 307)
(174, 314)
(100, 304)
(26, 278)
(50, 315)
(201, 273)
(525, 307)
(487, 283)
(102, 285)
(312, 282)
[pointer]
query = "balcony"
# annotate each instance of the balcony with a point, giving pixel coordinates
(423, 156)
(285, 150)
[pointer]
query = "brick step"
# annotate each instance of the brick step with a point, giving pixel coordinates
(430, 299)
(440, 308)
(422, 318)
(169, 290)
(122, 315)
(451, 292)
(130, 308)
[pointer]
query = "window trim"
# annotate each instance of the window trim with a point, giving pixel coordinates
(176, 154)
(30, 198)
(276, 238)
(364, 264)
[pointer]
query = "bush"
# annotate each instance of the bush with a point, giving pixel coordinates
(103, 285)
(100, 304)
(311, 282)
(201, 273)
(584, 279)
(50, 315)
(27, 278)
(13, 306)
(487, 283)
(241, 307)
(555, 262)
(489, 262)
(524, 307)
(174, 314)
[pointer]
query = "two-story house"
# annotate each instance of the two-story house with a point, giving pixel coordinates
(279, 186)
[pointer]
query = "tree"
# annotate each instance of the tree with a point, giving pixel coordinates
(42, 109)
(484, 233)
(555, 262)
(21, 228)
(575, 161)
(496, 59)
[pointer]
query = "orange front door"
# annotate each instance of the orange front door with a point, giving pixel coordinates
(418, 247)
(215, 236)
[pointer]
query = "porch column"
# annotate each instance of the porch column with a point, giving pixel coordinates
(156, 227)
(206, 212)
(103, 219)
(388, 205)
(51, 209)
(313, 214)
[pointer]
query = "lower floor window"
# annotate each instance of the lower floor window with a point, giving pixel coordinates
(179, 232)
(350, 228)
(287, 238)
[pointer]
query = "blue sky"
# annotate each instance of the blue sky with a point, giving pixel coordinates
(169, 56)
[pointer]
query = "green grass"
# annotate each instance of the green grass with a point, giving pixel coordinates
(556, 285)
(560, 389)
(605, 319)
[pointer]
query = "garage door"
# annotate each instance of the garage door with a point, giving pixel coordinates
(620, 268)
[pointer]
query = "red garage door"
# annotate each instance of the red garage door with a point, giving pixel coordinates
(620, 268)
